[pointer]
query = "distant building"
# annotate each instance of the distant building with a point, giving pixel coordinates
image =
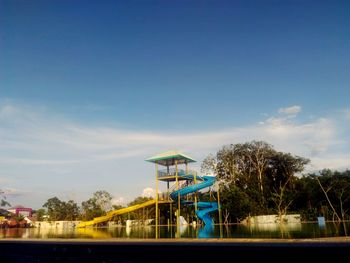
(21, 210)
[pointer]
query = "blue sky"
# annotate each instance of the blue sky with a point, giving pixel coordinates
(90, 89)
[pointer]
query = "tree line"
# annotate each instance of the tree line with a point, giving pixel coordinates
(255, 179)
(98, 205)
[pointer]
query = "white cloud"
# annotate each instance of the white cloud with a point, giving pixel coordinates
(148, 192)
(293, 110)
(308, 138)
(48, 142)
(335, 162)
(119, 201)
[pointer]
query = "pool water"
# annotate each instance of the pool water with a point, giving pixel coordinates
(295, 231)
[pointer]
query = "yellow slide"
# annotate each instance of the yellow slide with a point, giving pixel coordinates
(113, 213)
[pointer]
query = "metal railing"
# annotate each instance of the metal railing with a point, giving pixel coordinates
(172, 172)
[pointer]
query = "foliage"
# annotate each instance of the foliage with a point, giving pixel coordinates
(18, 218)
(60, 210)
(255, 178)
(96, 206)
(139, 200)
(39, 214)
(336, 193)
(71, 210)
(117, 207)
(3, 201)
(90, 209)
(283, 167)
(139, 214)
(237, 202)
(103, 200)
(54, 208)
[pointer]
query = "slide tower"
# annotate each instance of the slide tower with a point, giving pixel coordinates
(183, 184)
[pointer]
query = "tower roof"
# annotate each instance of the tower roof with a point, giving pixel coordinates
(168, 158)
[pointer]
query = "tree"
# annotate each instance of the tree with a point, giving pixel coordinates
(236, 203)
(308, 197)
(326, 193)
(39, 214)
(117, 207)
(3, 201)
(254, 169)
(243, 165)
(60, 210)
(283, 167)
(139, 200)
(140, 213)
(336, 189)
(55, 209)
(103, 199)
(71, 210)
(96, 206)
(209, 165)
(90, 209)
(258, 153)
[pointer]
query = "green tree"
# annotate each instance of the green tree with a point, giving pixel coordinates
(336, 189)
(90, 209)
(308, 197)
(209, 165)
(103, 199)
(256, 171)
(245, 165)
(282, 170)
(3, 201)
(60, 210)
(235, 203)
(326, 193)
(139, 200)
(117, 207)
(55, 209)
(98, 205)
(40, 214)
(18, 218)
(257, 154)
(71, 210)
(139, 214)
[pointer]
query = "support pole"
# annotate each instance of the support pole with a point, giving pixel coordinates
(195, 195)
(178, 200)
(168, 184)
(171, 214)
(157, 215)
(219, 210)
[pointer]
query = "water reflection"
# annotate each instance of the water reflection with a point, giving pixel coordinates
(207, 232)
(300, 230)
(276, 230)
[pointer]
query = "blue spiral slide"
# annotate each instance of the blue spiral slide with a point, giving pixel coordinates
(204, 208)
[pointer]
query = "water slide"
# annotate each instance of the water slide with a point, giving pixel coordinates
(204, 208)
(113, 213)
